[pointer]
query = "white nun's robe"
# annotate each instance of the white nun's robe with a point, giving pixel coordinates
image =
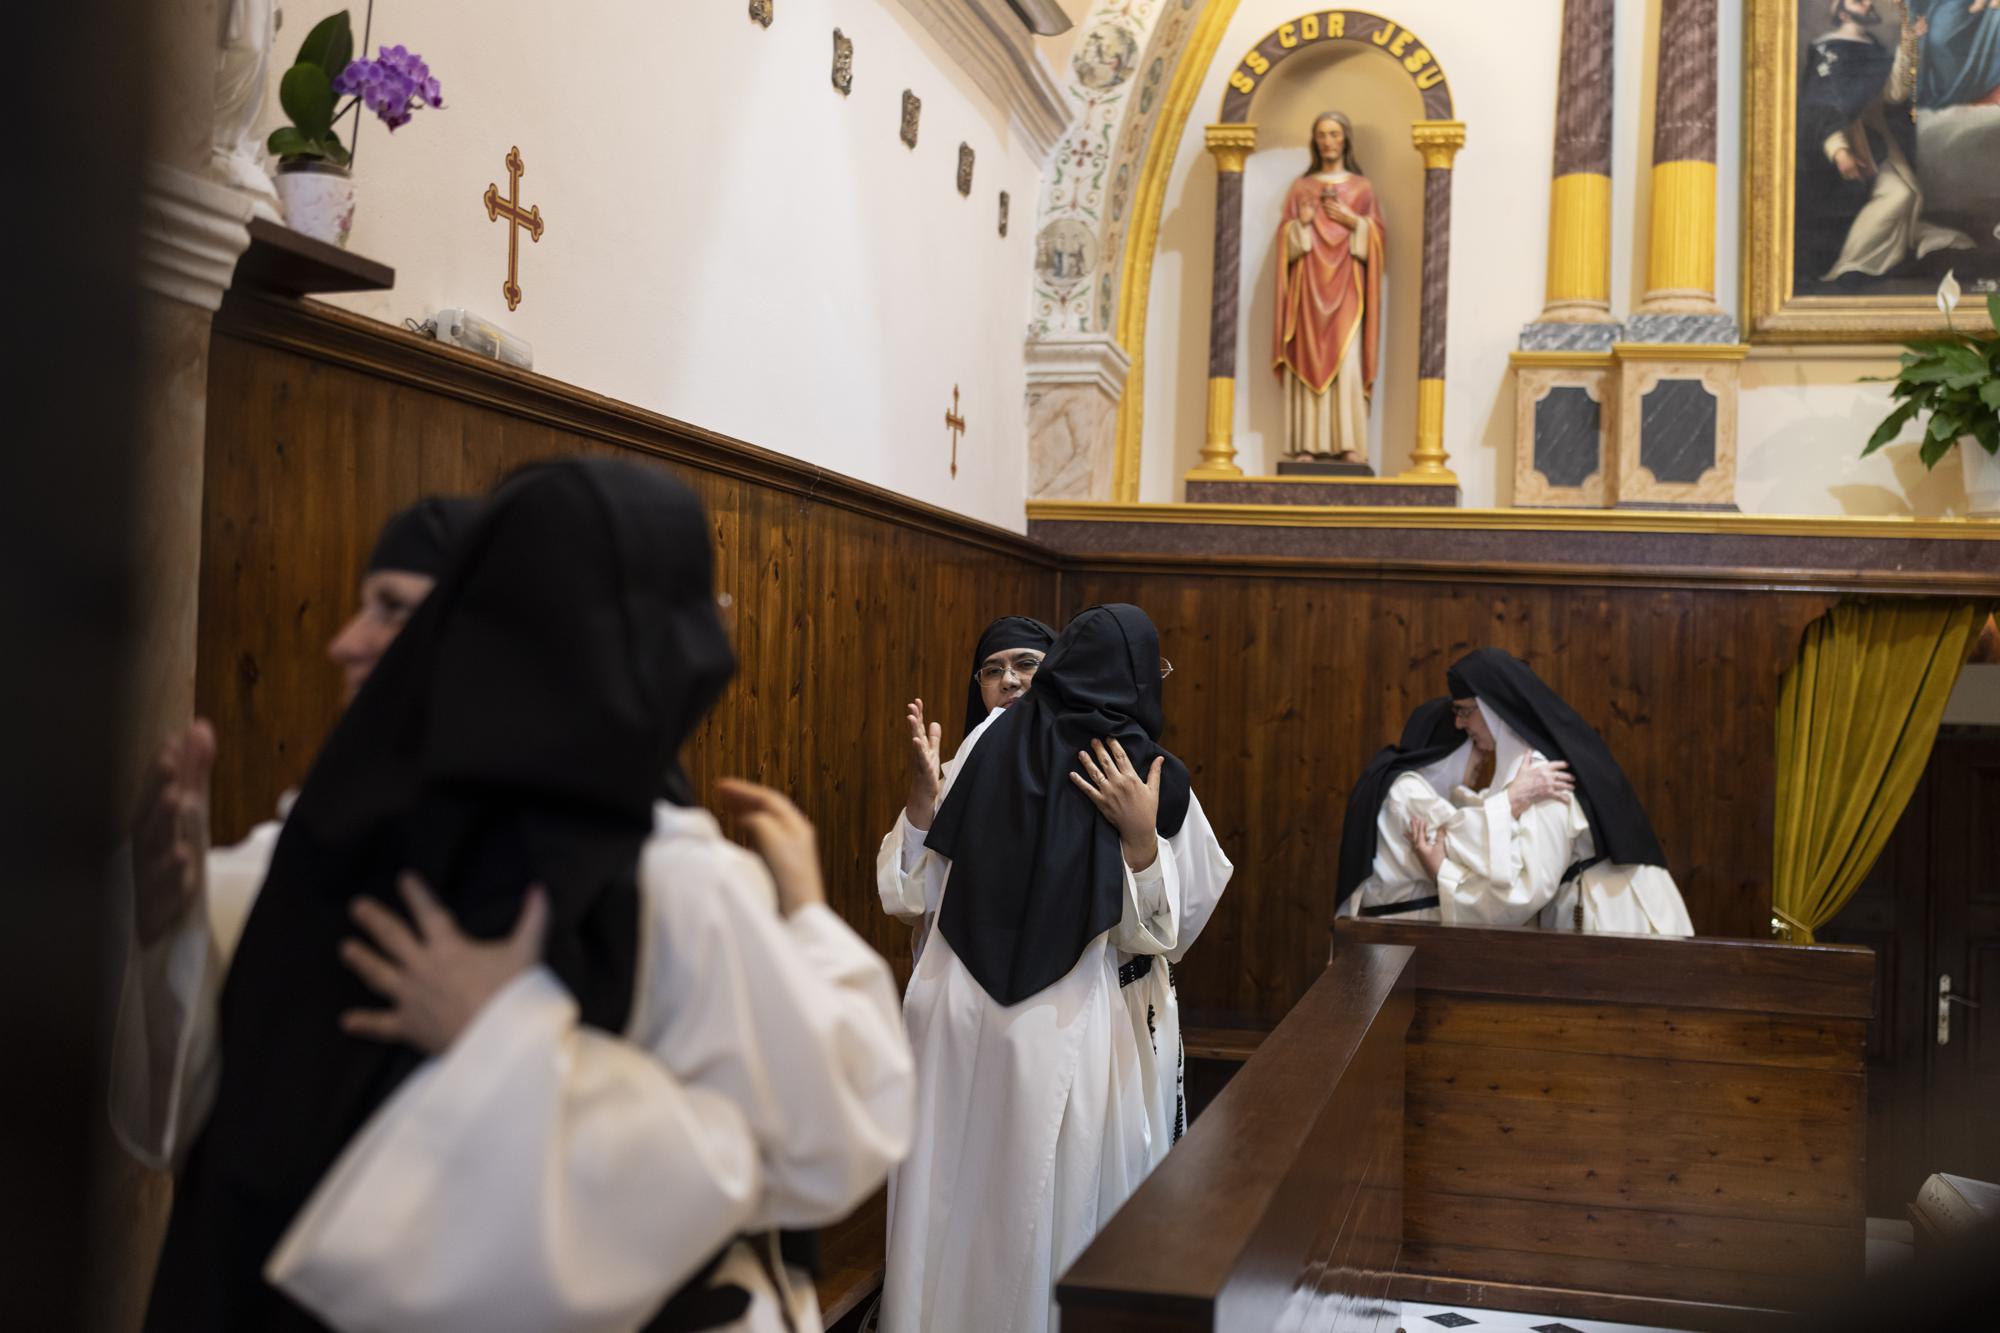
(1500, 870)
(542, 1176)
(1035, 1122)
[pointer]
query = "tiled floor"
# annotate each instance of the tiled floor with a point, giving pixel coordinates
(1434, 1318)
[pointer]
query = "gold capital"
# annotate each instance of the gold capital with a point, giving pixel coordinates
(1439, 142)
(1231, 144)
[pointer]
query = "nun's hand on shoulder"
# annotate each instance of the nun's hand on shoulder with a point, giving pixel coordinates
(1540, 782)
(1130, 802)
(435, 977)
(784, 838)
(170, 833)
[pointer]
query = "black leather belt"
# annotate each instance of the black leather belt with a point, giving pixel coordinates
(1135, 970)
(1398, 909)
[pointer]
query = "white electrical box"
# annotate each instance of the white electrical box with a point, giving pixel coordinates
(462, 328)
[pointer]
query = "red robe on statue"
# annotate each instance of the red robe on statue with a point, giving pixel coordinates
(1328, 296)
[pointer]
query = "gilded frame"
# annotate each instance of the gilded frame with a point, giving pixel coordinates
(1772, 312)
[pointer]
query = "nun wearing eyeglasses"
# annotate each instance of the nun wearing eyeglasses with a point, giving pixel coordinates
(1004, 662)
(1501, 806)
(1069, 857)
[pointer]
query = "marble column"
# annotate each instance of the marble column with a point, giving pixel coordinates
(194, 226)
(1439, 142)
(1678, 368)
(1562, 372)
(1231, 145)
(1074, 384)
(1679, 304)
(1577, 309)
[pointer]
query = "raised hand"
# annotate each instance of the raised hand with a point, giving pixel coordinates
(784, 838)
(926, 769)
(1540, 782)
(170, 833)
(435, 977)
(1131, 803)
(1428, 843)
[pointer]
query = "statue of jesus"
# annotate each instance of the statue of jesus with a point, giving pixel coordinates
(1329, 299)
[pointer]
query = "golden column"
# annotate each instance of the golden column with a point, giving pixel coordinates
(1439, 142)
(1231, 145)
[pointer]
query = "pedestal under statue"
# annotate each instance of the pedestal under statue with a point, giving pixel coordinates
(1329, 317)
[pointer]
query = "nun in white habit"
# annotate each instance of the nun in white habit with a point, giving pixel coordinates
(1526, 821)
(467, 1103)
(1068, 855)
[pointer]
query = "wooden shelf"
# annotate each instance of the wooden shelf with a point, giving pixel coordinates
(282, 262)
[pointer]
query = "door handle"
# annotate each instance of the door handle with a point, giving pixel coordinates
(1945, 1001)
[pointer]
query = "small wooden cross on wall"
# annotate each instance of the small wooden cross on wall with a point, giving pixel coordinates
(954, 423)
(517, 219)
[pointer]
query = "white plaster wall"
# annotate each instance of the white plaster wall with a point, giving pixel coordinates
(730, 241)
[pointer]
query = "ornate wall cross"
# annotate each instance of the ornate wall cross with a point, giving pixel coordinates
(517, 219)
(954, 423)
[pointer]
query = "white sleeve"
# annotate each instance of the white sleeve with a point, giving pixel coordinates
(900, 867)
(1204, 870)
(164, 1067)
(796, 1021)
(1502, 871)
(1150, 922)
(538, 1176)
(165, 1057)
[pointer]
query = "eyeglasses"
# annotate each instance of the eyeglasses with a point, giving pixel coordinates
(994, 672)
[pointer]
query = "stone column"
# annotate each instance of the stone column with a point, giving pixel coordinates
(1678, 369)
(1563, 368)
(1231, 145)
(1439, 142)
(1579, 270)
(1679, 304)
(1074, 383)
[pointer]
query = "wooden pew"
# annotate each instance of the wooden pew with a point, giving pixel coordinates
(1284, 1201)
(1656, 1131)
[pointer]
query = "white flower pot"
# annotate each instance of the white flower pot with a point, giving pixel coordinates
(318, 199)
(1982, 478)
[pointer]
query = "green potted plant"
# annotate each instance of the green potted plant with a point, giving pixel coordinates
(314, 184)
(1953, 381)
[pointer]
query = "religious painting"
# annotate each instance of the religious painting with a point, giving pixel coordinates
(1872, 134)
(1105, 57)
(913, 107)
(965, 168)
(843, 63)
(1065, 253)
(1328, 335)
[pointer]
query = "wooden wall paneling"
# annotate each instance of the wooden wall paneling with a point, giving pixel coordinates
(848, 601)
(1286, 681)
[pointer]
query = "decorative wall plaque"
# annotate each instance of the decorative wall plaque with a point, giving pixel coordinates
(843, 63)
(965, 168)
(1003, 212)
(760, 12)
(913, 107)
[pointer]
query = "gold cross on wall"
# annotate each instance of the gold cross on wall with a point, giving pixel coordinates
(510, 208)
(954, 423)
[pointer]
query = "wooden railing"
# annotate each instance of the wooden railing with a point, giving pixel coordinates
(1655, 1131)
(1282, 1208)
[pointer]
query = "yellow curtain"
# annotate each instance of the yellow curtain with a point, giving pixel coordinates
(1857, 714)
